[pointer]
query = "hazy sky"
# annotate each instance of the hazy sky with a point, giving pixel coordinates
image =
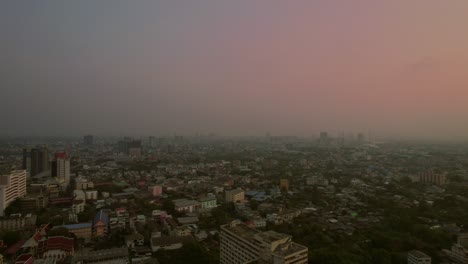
(238, 67)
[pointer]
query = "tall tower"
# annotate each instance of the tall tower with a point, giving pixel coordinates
(88, 140)
(61, 168)
(35, 160)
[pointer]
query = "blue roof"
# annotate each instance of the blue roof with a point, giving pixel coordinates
(103, 216)
(77, 226)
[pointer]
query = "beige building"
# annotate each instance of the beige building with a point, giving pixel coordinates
(242, 244)
(18, 222)
(235, 196)
(459, 252)
(12, 186)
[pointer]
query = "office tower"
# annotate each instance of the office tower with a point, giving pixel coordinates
(35, 160)
(323, 136)
(418, 257)
(88, 140)
(235, 196)
(61, 168)
(12, 186)
(130, 147)
(242, 244)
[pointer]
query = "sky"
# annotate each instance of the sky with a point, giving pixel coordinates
(245, 67)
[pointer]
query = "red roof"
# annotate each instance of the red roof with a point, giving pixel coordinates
(56, 243)
(23, 258)
(15, 247)
(61, 155)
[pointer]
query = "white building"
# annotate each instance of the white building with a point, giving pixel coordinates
(79, 201)
(91, 195)
(242, 244)
(418, 257)
(12, 186)
(61, 169)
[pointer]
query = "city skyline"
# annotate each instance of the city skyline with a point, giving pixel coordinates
(234, 68)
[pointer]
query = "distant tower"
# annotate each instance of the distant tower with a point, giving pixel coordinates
(152, 141)
(88, 140)
(35, 160)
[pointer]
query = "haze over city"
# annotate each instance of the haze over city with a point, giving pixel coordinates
(396, 68)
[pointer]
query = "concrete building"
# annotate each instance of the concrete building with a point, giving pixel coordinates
(235, 196)
(156, 191)
(185, 205)
(18, 222)
(418, 257)
(35, 160)
(12, 186)
(432, 178)
(91, 195)
(242, 244)
(105, 256)
(459, 252)
(61, 169)
(208, 202)
(79, 201)
(88, 140)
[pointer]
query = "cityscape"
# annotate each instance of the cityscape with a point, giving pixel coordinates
(234, 132)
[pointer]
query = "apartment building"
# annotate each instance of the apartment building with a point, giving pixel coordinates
(242, 244)
(12, 186)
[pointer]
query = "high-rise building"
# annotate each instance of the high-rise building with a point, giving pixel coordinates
(88, 140)
(130, 147)
(61, 168)
(12, 186)
(418, 257)
(432, 177)
(152, 142)
(35, 160)
(242, 244)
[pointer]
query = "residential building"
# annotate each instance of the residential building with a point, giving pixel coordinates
(156, 191)
(91, 195)
(242, 244)
(12, 186)
(459, 252)
(79, 201)
(18, 222)
(208, 202)
(418, 257)
(61, 169)
(235, 196)
(432, 177)
(185, 205)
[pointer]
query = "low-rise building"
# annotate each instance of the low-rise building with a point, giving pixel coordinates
(418, 257)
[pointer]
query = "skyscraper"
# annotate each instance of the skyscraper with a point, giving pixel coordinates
(88, 140)
(35, 160)
(12, 186)
(61, 168)
(152, 142)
